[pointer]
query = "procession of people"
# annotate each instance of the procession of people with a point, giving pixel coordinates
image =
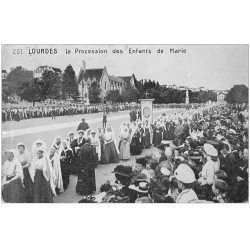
(200, 155)
(53, 109)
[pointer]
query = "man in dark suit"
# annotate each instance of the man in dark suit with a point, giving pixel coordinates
(86, 184)
(83, 125)
(132, 115)
(104, 120)
(240, 185)
(227, 162)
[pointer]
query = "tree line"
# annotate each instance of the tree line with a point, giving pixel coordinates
(50, 86)
(161, 94)
(60, 87)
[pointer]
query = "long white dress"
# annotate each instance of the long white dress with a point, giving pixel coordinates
(125, 146)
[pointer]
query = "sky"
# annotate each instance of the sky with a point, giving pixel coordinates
(211, 66)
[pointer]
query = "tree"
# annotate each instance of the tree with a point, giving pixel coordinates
(50, 85)
(114, 96)
(94, 92)
(69, 83)
(130, 94)
(17, 76)
(31, 91)
(237, 94)
(6, 93)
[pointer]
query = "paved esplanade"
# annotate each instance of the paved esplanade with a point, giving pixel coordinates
(27, 131)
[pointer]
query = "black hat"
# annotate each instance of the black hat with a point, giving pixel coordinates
(143, 160)
(123, 170)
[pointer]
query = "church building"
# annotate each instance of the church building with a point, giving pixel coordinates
(107, 82)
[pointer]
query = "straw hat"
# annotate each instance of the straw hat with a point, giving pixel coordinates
(210, 150)
(184, 174)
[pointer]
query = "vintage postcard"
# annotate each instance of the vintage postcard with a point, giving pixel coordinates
(124, 123)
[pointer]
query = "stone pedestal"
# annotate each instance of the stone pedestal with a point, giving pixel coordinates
(147, 109)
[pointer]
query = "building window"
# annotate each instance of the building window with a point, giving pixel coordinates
(105, 87)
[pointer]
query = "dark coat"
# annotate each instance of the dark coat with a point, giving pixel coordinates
(168, 133)
(228, 164)
(87, 156)
(76, 143)
(86, 170)
(240, 188)
(83, 126)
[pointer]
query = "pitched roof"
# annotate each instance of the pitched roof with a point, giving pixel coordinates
(90, 73)
(126, 79)
(42, 67)
(57, 70)
(4, 71)
(116, 79)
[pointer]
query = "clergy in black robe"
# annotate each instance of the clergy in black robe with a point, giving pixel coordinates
(141, 130)
(147, 136)
(135, 145)
(168, 133)
(86, 184)
(157, 135)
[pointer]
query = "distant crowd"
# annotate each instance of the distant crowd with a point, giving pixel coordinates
(24, 110)
(17, 112)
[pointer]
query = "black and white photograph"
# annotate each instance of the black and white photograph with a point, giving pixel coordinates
(125, 123)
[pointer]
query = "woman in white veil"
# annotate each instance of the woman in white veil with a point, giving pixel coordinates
(36, 145)
(44, 179)
(24, 157)
(54, 157)
(111, 150)
(87, 134)
(121, 129)
(12, 179)
(95, 142)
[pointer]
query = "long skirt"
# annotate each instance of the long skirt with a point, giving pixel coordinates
(147, 139)
(28, 186)
(42, 189)
(65, 168)
(135, 146)
(86, 184)
(124, 150)
(13, 192)
(111, 155)
(103, 159)
(74, 164)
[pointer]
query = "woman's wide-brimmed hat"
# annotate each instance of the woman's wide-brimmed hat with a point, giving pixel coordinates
(210, 150)
(123, 170)
(139, 178)
(184, 174)
(141, 188)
